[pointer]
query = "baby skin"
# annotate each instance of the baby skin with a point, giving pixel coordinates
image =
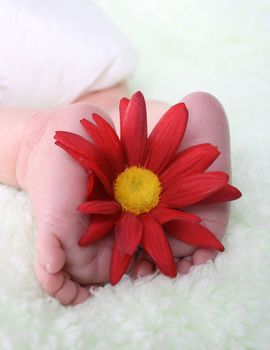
(56, 186)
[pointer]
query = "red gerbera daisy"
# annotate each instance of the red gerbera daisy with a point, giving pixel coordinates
(138, 184)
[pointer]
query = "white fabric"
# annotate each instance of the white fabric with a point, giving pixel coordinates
(53, 51)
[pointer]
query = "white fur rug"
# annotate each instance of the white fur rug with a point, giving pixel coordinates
(221, 47)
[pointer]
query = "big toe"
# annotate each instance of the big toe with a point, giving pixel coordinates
(201, 256)
(49, 252)
(142, 267)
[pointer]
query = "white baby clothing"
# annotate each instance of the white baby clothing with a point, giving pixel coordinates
(52, 51)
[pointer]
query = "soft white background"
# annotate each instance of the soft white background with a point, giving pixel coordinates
(217, 46)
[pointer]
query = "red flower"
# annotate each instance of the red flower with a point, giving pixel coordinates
(138, 184)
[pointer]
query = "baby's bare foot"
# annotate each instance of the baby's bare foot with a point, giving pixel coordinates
(57, 186)
(207, 124)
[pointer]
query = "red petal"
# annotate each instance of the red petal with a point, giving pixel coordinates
(119, 265)
(194, 188)
(134, 130)
(98, 191)
(156, 245)
(90, 166)
(80, 145)
(194, 234)
(99, 207)
(122, 111)
(195, 159)
(128, 233)
(114, 149)
(107, 140)
(93, 132)
(99, 227)
(225, 194)
(163, 215)
(165, 138)
(90, 186)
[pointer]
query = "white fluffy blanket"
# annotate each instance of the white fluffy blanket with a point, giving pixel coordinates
(221, 47)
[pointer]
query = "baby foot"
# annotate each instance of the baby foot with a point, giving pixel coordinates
(207, 124)
(56, 185)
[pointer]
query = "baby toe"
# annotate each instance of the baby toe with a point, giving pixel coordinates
(68, 292)
(51, 283)
(82, 295)
(201, 256)
(183, 265)
(142, 266)
(50, 254)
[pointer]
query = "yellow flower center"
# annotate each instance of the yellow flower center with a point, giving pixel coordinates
(137, 190)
